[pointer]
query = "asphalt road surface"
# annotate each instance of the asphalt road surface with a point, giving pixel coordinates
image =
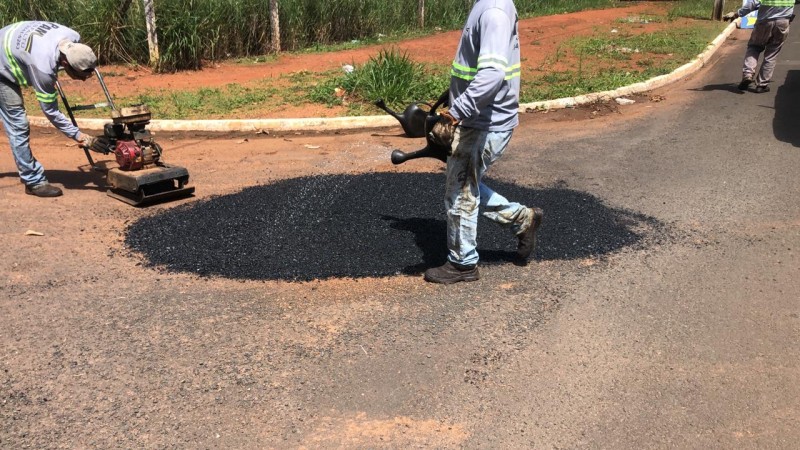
(662, 309)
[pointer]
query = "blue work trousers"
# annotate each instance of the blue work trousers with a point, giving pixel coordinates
(474, 151)
(15, 122)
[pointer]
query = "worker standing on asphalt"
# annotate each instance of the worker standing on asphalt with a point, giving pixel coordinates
(31, 56)
(484, 105)
(768, 36)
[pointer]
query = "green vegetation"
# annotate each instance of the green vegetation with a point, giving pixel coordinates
(607, 61)
(209, 103)
(193, 31)
(391, 75)
(603, 61)
(699, 9)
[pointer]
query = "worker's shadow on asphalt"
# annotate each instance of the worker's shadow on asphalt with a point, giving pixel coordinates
(576, 225)
(730, 87)
(367, 225)
(785, 123)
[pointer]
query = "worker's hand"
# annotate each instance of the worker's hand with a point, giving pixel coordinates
(448, 116)
(443, 131)
(85, 140)
(730, 16)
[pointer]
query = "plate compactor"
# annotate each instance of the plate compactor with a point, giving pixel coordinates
(141, 177)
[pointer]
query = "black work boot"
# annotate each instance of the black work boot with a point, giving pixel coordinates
(761, 89)
(43, 190)
(745, 83)
(452, 273)
(527, 238)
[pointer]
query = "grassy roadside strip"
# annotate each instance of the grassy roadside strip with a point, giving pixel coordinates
(625, 53)
(607, 61)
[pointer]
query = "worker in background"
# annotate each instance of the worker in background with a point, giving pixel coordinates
(768, 36)
(484, 106)
(32, 54)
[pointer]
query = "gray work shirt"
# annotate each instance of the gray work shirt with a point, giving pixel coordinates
(30, 58)
(485, 76)
(765, 12)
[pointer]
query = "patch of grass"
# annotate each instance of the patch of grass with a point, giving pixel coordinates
(205, 102)
(256, 59)
(683, 43)
(604, 61)
(641, 19)
(609, 61)
(572, 83)
(390, 75)
(698, 9)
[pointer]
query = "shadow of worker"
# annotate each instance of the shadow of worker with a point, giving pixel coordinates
(786, 123)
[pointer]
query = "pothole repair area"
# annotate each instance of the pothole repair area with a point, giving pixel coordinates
(366, 225)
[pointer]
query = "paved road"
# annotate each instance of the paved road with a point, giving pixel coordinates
(686, 339)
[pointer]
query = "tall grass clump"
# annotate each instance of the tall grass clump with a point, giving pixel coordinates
(698, 9)
(391, 76)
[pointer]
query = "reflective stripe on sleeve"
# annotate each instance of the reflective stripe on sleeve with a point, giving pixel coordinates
(46, 98)
(468, 73)
(12, 62)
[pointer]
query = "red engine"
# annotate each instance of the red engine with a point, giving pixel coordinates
(132, 156)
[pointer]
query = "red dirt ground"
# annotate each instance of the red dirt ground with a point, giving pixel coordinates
(540, 39)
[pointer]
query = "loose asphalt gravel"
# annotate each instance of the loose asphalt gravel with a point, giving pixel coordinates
(375, 224)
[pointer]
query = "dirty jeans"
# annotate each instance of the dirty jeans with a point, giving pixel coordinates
(474, 151)
(15, 122)
(768, 37)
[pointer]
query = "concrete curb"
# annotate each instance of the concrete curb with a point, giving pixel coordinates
(359, 122)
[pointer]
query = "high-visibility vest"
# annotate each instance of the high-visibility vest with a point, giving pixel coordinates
(779, 3)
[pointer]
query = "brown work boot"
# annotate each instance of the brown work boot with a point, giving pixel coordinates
(450, 273)
(745, 83)
(43, 190)
(527, 238)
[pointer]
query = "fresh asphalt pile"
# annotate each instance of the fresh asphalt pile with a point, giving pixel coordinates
(375, 224)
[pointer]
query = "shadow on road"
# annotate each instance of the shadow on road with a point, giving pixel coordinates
(785, 124)
(730, 87)
(376, 224)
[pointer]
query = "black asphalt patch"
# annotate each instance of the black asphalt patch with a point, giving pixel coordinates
(375, 224)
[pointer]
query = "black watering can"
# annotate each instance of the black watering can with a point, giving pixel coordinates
(412, 120)
(432, 150)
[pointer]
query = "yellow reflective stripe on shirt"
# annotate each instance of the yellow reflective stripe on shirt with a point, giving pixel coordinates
(463, 72)
(468, 73)
(491, 60)
(495, 64)
(461, 75)
(513, 71)
(12, 62)
(461, 68)
(46, 98)
(492, 57)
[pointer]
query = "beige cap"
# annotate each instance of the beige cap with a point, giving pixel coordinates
(79, 56)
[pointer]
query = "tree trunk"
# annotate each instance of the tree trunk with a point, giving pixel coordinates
(421, 20)
(152, 37)
(275, 27)
(716, 14)
(123, 8)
